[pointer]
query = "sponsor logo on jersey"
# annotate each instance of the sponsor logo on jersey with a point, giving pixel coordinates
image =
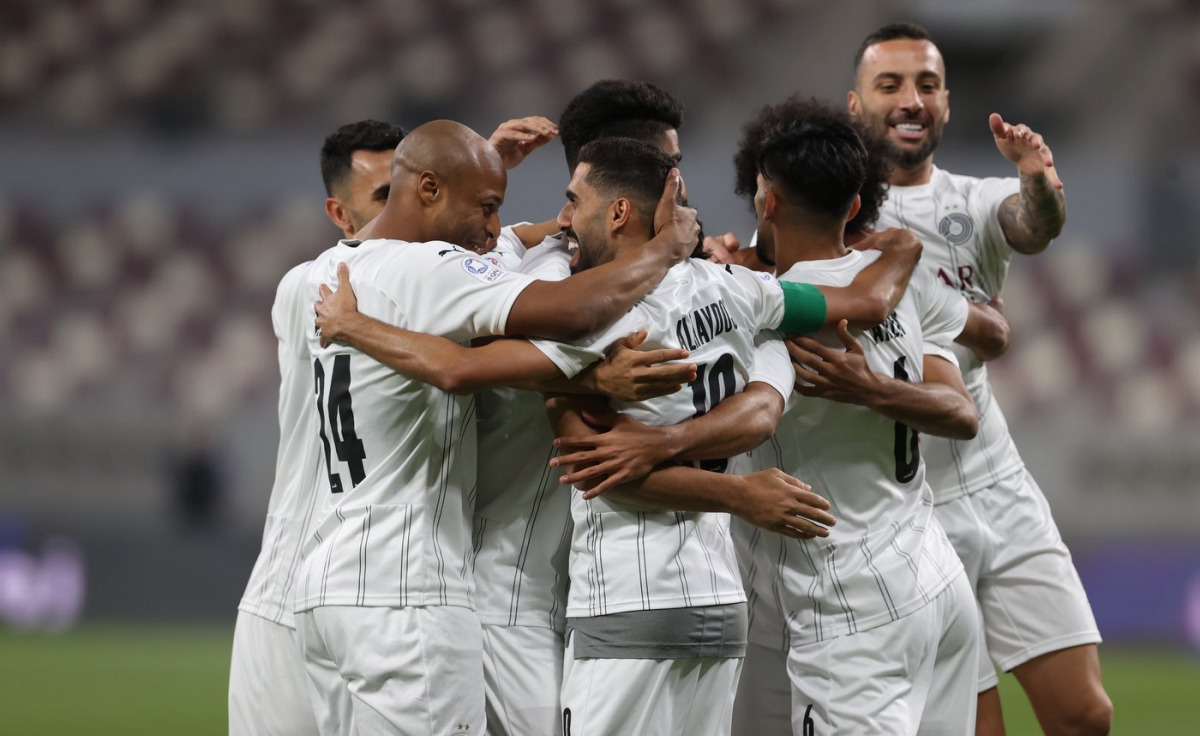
(485, 271)
(956, 228)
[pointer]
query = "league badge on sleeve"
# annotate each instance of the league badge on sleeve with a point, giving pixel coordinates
(488, 271)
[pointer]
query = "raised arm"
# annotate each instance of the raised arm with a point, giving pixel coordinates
(876, 291)
(626, 373)
(588, 301)
(939, 405)
(769, 499)
(987, 332)
(1033, 217)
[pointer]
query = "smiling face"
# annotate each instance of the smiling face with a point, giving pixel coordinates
(582, 219)
(901, 99)
(470, 215)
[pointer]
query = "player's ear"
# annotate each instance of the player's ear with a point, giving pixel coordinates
(855, 206)
(771, 204)
(620, 213)
(337, 214)
(428, 187)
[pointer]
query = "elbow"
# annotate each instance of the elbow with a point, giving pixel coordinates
(966, 424)
(995, 343)
(458, 380)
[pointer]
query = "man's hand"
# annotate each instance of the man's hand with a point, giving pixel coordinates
(627, 451)
(675, 224)
(337, 310)
(825, 373)
(1024, 148)
(630, 374)
(516, 139)
(777, 502)
(720, 249)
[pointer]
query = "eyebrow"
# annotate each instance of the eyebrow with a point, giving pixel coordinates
(924, 74)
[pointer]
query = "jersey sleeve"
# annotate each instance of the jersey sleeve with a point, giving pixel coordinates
(291, 317)
(943, 313)
(445, 290)
(509, 249)
(772, 365)
(767, 303)
(573, 357)
(550, 260)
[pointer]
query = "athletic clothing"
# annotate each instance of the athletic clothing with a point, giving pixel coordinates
(1030, 596)
(267, 684)
(625, 559)
(522, 674)
(399, 455)
(414, 671)
(268, 688)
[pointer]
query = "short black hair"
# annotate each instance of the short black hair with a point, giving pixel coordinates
(875, 187)
(365, 135)
(810, 150)
(627, 167)
(617, 108)
(891, 32)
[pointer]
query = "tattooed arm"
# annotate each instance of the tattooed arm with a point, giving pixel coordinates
(1035, 216)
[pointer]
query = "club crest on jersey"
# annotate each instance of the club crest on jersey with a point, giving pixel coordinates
(956, 228)
(482, 269)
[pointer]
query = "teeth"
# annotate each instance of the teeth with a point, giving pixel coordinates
(910, 127)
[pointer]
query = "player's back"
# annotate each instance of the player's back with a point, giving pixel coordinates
(624, 559)
(398, 454)
(293, 498)
(886, 556)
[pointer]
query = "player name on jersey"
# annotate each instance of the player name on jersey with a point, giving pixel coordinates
(704, 324)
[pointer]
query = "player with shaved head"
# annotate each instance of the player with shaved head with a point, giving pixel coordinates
(383, 611)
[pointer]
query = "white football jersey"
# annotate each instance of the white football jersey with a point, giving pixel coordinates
(886, 556)
(290, 511)
(399, 455)
(956, 218)
(624, 559)
(522, 515)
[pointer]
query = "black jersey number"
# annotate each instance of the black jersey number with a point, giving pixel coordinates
(340, 414)
(908, 449)
(714, 383)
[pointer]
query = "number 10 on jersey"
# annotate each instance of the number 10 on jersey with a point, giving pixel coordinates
(338, 416)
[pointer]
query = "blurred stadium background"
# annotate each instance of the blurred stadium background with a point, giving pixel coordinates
(160, 175)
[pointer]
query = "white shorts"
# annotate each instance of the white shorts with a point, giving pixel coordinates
(648, 697)
(416, 671)
(1029, 593)
(915, 675)
(764, 694)
(268, 689)
(522, 674)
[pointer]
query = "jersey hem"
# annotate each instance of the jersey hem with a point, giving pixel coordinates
(728, 599)
(415, 601)
(970, 489)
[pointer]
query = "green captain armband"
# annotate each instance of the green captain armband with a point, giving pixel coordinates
(803, 309)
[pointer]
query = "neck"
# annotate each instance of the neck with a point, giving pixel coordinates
(912, 176)
(801, 242)
(395, 223)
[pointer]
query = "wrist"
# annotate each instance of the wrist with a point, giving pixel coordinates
(348, 329)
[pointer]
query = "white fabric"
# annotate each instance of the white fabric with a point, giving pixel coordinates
(886, 557)
(764, 694)
(413, 671)
(1029, 592)
(268, 688)
(522, 516)
(650, 697)
(402, 452)
(623, 559)
(915, 675)
(956, 219)
(294, 497)
(522, 673)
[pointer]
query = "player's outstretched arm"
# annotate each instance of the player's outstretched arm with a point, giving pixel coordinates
(940, 405)
(627, 373)
(630, 450)
(878, 288)
(769, 499)
(516, 139)
(597, 297)
(987, 331)
(1034, 216)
